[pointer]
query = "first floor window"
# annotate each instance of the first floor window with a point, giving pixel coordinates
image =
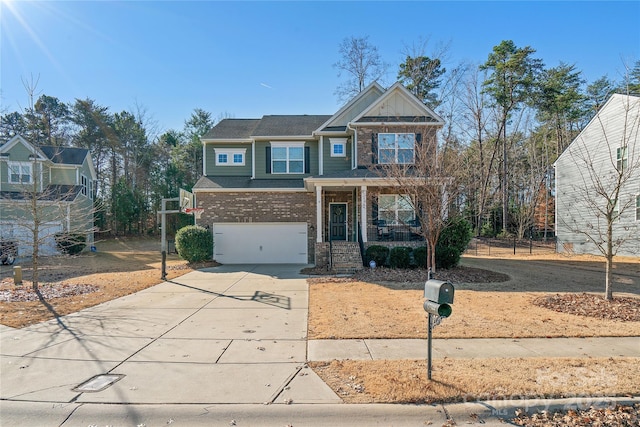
(20, 173)
(287, 158)
(395, 208)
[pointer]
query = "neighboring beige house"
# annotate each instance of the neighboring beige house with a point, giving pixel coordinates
(53, 185)
(606, 152)
(304, 188)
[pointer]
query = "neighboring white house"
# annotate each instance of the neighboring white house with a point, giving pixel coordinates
(599, 174)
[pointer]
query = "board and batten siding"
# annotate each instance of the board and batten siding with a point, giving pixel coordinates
(616, 123)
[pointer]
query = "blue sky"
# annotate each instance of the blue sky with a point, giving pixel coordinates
(247, 59)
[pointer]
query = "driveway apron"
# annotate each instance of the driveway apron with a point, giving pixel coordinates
(230, 334)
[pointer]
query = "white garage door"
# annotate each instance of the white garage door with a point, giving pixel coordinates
(260, 243)
(22, 234)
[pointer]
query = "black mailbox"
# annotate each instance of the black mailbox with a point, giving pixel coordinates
(438, 294)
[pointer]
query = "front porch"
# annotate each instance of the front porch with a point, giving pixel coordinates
(352, 218)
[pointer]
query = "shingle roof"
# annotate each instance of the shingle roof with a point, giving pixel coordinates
(232, 129)
(63, 193)
(296, 125)
(65, 155)
(245, 182)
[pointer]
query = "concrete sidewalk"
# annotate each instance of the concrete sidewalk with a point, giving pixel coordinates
(223, 346)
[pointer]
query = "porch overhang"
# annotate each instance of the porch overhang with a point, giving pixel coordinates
(340, 183)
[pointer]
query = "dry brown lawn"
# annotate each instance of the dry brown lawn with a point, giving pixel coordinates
(119, 267)
(384, 304)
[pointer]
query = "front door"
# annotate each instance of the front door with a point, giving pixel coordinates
(338, 221)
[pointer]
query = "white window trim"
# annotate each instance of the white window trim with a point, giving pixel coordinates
(287, 145)
(84, 183)
(396, 196)
(19, 165)
(338, 141)
(230, 152)
(395, 160)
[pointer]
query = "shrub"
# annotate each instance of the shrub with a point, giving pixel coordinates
(420, 256)
(194, 243)
(452, 243)
(400, 257)
(377, 253)
(71, 243)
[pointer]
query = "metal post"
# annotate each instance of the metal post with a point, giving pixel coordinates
(429, 331)
(514, 244)
(163, 241)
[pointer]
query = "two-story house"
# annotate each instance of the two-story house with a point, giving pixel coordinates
(305, 188)
(599, 174)
(47, 188)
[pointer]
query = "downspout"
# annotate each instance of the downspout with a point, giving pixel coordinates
(321, 156)
(354, 149)
(204, 159)
(253, 159)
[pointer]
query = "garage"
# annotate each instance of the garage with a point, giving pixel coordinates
(260, 243)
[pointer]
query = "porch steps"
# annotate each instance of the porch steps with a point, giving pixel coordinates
(345, 257)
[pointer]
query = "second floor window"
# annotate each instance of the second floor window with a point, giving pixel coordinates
(226, 157)
(20, 173)
(621, 158)
(637, 208)
(287, 158)
(84, 183)
(396, 148)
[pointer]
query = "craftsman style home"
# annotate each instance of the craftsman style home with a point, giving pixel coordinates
(308, 188)
(47, 188)
(599, 174)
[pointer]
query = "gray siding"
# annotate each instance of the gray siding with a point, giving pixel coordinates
(588, 168)
(261, 162)
(336, 164)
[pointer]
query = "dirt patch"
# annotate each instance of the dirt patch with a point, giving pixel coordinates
(589, 305)
(69, 284)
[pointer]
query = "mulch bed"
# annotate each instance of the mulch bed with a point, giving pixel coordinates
(23, 293)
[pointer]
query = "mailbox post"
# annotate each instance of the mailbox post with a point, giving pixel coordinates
(438, 297)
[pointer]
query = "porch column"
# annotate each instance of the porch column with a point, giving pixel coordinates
(319, 229)
(363, 212)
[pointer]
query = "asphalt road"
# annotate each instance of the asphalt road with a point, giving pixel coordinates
(555, 275)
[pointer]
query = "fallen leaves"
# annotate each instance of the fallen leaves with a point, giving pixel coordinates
(616, 416)
(625, 309)
(47, 291)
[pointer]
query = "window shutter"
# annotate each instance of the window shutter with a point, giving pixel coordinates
(418, 138)
(374, 209)
(307, 160)
(268, 157)
(374, 148)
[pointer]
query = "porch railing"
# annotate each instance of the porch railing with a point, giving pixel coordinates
(382, 231)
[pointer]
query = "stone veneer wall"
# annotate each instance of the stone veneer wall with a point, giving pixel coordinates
(261, 207)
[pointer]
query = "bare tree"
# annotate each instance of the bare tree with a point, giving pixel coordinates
(362, 64)
(428, 183)
(601, 169)
(46, 217)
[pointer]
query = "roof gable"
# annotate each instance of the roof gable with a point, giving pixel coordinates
(19, 140)
(616, 121)
(353, 108)
(65, 155)
(398, 104)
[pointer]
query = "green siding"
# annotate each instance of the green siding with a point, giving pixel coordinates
(261, 162)
(335, 164)
(213, 170)
(63, 176)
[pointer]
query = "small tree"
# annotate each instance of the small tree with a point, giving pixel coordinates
(362, 64)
